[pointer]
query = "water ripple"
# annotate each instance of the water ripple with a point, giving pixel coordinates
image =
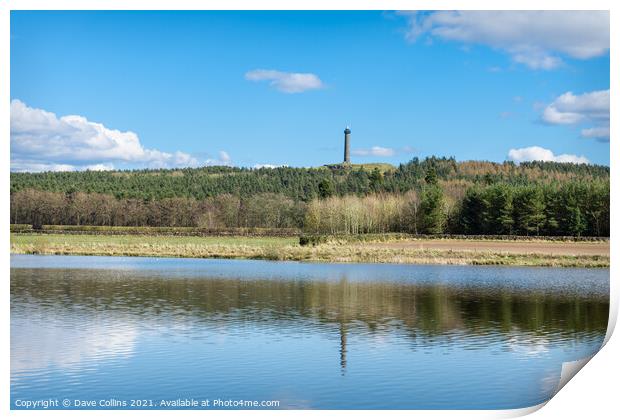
(470, 338)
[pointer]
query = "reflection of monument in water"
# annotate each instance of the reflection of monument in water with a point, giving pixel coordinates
(342, 321)
(343, 346)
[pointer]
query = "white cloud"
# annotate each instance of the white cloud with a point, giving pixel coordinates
(599, 133)
(589, 107)
(34, 166)
(536, 153)
(224, 156)
(286, 82)
(535, 59)
(383, 151)
(223, 159)
(21, 165)
(100, 167)
(570, 109)
(41, 141)
(267, 165)
(536, 39)
(374, 151)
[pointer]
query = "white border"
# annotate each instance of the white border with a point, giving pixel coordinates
(592, 394)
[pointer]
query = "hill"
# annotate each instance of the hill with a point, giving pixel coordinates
(434, 196)
(301, 183)
(369, 167)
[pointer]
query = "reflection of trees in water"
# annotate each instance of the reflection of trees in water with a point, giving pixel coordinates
(423, 313)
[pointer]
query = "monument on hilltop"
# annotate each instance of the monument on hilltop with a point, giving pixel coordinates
(347, 146)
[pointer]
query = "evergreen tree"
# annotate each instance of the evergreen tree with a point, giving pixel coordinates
(432, 213)
(529, 210)
(431, 176)
(554, 202)
(500, 219)
(326, 188)
(473, 212)
(575, 221)
(376, 179)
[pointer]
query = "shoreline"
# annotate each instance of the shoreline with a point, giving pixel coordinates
(454, 252)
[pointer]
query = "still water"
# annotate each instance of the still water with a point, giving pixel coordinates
(305, 335)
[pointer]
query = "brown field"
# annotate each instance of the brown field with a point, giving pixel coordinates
(511, 247)
(407, 251)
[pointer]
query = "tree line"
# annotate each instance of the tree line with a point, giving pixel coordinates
(574, 208)
(299, 184)
(265, 210)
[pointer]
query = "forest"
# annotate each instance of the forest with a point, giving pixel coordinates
(434, 195)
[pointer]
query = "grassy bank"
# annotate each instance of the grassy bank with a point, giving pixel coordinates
(288, 249)
(154, 231)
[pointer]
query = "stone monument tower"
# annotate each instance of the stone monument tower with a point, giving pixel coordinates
(347, 145)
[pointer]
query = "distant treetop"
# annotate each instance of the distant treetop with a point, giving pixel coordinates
(303, 183)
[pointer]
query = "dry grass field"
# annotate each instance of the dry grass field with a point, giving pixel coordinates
(512, 247)
(431, 251)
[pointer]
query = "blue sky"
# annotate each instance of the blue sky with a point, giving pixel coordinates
(165, 89)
